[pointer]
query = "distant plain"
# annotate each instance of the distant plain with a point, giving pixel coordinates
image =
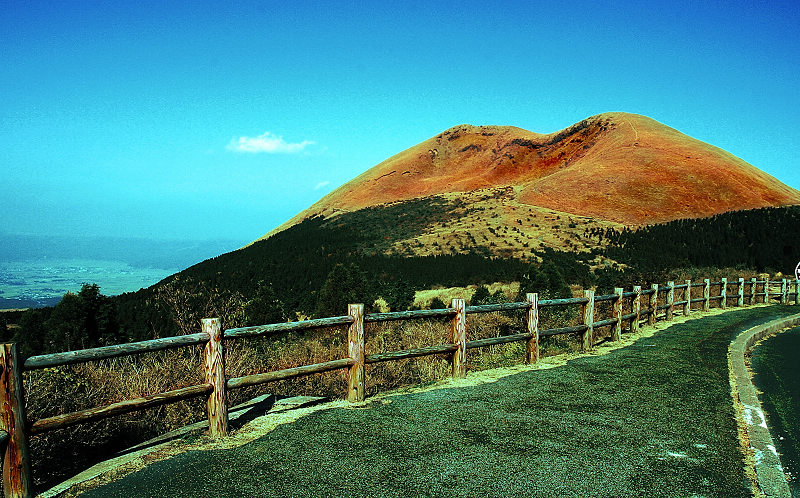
(38, 282)
(39, 270)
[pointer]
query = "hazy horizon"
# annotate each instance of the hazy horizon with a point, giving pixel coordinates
(137, 251)
(37, 270)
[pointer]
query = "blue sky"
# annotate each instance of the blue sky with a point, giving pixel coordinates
(222, 120)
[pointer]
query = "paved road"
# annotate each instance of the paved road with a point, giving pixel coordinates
(652, 419)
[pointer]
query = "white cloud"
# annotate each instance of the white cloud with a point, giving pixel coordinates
(322, 184)
(267, 143)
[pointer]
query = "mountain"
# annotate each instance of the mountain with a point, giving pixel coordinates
(615, 167)
(478, 205)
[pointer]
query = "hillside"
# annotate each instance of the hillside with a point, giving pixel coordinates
(616, 168)
(380, 237)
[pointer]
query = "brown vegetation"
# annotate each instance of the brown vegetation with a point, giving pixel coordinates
(64, 389)
(496, 221)
(617, 167)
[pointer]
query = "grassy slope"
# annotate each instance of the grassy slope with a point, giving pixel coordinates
(618, 167)
(654, 418)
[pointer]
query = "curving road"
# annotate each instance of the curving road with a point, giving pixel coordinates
(652, 419)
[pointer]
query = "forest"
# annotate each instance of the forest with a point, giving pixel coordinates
(316, 267)
(765, 240)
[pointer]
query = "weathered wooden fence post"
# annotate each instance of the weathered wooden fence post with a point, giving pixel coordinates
(706, 294)
(217, 404)
(687, 297)
(653, 316)
(797, 292)
(723, 292)
(766, 290)
(753, 286)
(16, 460)
(784, 297)
(459, 334)
(355, 349)
(637, 308)
(532, 321)
(587, 338)
(670, 300)
(740, 300)
(616, 332)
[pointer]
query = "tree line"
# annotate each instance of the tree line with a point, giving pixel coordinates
(317, 267)
(765, 240)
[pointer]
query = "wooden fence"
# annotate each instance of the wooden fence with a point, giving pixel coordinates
(15, 429)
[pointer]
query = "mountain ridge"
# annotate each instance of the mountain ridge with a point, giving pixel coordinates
(616, 167)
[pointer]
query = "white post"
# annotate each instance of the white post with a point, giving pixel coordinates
(687, 297)
(532, 321)
(587, 339)
(637, 308)
(616, 332)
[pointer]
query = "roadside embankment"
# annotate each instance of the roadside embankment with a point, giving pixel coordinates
(763, 462)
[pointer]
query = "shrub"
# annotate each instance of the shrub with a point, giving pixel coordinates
(437, 304)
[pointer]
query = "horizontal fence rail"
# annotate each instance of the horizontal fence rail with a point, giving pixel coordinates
(105, 352)
(411, 353)
(132, 405)
(645, 304)
(409, 315)
(489, 308)
(574, 329)
(277, 328)
(288, 373)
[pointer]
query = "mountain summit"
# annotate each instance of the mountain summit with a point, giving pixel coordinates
(615, 167)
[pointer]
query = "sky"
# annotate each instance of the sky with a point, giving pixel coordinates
(208, 120)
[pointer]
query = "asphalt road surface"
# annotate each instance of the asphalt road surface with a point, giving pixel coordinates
(651, 419)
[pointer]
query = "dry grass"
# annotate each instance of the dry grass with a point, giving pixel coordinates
(503, 226)
(423, 298)
(54, 391)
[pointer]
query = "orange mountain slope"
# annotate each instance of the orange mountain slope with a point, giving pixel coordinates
(618, 167)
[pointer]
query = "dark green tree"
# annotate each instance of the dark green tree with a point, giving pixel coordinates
(264, 307)
(64, 331)
(480, 295)
(608, 279)
(437, 304)
(83, 320)
(90, 302)
(544, 279)
(4, 333)
(30, 334)
(107, 319)
(345, 284)
(399, 295)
